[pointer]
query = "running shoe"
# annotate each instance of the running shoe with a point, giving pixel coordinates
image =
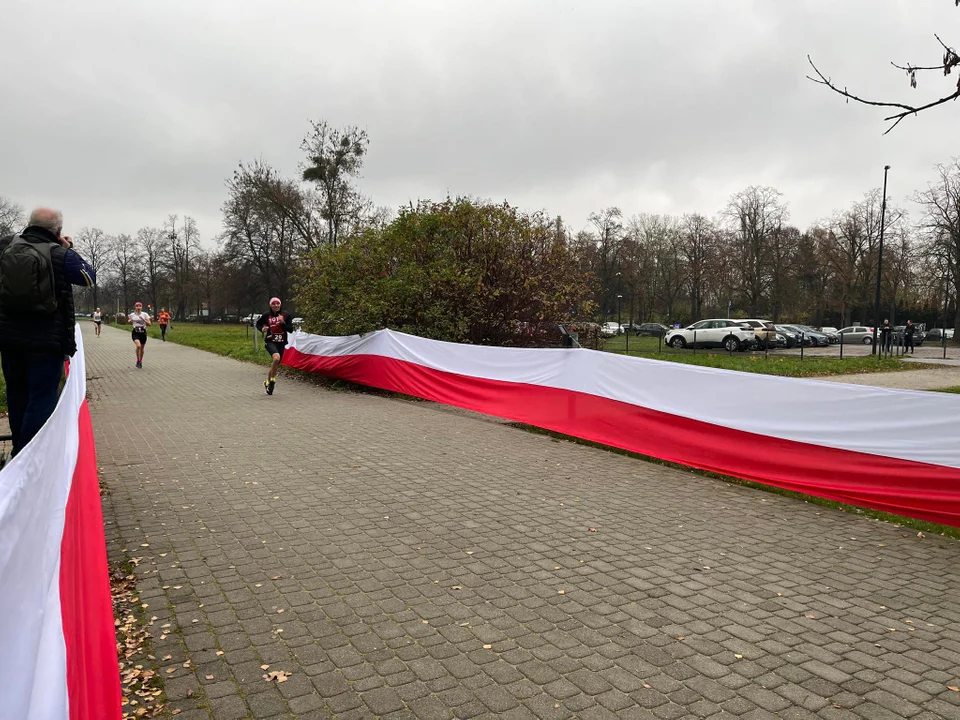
(273, 382)
(268, 387)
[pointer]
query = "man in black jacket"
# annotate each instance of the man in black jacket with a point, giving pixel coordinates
(33, 345)
(908, 333)
(275, 325)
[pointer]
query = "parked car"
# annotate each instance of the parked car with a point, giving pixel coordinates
(792, 335)
(297, 323)
(898, 337)
(937, 334)
(856, 334)
(728, 334)
(764, 330)
(609, 329)
(817, 338)
(832, 333)
(652, 330)
(781, 341)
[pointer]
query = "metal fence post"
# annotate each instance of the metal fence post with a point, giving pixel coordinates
(695, 343)
(801, 345)
(841, 346)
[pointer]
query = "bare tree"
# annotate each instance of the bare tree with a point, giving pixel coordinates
(183, 248)
(783, 251)
(94, 246)
(334, 157)
(127, 262)
(607, 242)
(155, 245)
(697, 243)
(12, 217)
(268, 221)
(756, 215)
(902, 110)
(941, 223)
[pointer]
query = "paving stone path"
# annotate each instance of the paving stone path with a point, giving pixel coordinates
(408, 560)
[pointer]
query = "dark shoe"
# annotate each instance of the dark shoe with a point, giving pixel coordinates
(268, 387)
(271, 386)
(139, 364)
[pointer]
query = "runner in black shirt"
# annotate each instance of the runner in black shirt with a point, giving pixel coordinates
(274, 325)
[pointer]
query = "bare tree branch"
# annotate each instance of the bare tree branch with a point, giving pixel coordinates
(906, 110)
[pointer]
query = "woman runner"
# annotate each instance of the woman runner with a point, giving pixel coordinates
(97, 319)
(140, 320)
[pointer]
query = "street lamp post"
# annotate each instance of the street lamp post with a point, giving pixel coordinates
(876, 297)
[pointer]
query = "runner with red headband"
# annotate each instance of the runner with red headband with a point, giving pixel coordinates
(140, 320)
(275, 325)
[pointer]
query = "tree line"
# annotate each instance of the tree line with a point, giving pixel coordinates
(307, 238)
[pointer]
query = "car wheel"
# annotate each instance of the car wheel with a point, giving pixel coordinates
(678, 343)
(731, 344)
(868, 340)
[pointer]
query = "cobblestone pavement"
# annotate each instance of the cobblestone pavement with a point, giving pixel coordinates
(407, 560)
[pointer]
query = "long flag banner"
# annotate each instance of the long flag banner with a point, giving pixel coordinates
(891, 450)
(58, 652)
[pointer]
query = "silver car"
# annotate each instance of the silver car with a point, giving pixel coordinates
(856, 334)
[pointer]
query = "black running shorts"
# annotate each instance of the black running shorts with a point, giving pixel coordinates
(142, 337)
(275, 348)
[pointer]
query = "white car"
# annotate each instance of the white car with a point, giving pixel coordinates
(721, 333)
(609, 329)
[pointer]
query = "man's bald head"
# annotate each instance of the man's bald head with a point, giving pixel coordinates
(48, 219)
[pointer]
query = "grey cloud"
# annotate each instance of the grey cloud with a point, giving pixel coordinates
(129, 111)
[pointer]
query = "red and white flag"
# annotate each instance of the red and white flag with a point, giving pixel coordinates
(892, 450)
(58, 653)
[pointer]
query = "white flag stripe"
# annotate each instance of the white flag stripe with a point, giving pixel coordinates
(34, 488)
(903, 424)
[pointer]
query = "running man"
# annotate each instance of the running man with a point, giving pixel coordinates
(140, 320)
(274, 325)
(164, 319)
(97, 319)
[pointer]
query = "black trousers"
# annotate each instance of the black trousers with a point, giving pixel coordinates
(33, 388)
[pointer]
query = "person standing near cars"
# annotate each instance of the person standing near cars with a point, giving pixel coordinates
(908, 333)
(164, 320)
(886, 337)
(275, 325)
(140, 320)
(38, 268)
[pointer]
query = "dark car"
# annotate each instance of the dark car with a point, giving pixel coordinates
(652, 329)
(936, 335)
(793, 335)
(898, 337)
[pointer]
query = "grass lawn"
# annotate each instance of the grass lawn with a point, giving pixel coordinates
(950, 390)
(233, 340)
(756, 362)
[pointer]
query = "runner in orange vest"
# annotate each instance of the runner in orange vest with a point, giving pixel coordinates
(164, 319)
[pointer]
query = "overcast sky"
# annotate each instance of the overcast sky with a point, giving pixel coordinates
(121, 112)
